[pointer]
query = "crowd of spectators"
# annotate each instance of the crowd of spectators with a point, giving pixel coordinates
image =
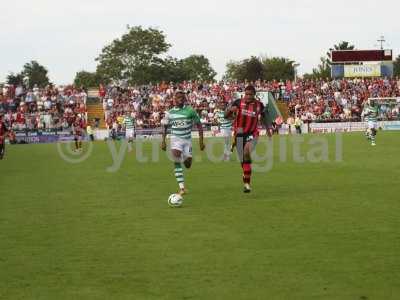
(338, 100)
(55, 108)
(148, 103)
(310, 100)
(46, 109)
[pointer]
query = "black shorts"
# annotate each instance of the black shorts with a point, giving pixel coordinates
(242, 139)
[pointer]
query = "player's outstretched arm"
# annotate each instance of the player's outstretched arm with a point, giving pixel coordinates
(365, 113)
(230, 112)
(164, 126)
(232, 109)
(164, 135)
(7, 131)
(201, 136)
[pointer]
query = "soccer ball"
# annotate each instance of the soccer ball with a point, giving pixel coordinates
(175, 200)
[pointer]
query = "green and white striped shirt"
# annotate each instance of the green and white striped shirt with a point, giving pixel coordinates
(129, 122)
(181, 121)
(223, 122)
(371, 113)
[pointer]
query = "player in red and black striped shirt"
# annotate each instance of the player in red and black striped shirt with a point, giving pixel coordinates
(248, 112)
(3, 134)
(78, 130)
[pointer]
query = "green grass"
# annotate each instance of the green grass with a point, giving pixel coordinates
(326, 230)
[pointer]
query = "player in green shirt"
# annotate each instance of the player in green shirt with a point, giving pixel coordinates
(129, 124)
(181, 119)
(225, 128)
(370, 114)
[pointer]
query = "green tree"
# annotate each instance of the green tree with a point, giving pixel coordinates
(248, 69)
(88, 79)
(171, 69)
(396, 66)
(266, 68)
(308, 76)
(197, 67)
(253, 69)
(15, 79)
(232, 70)
(36, 73)
(135, 56)
(278, 68)
(323, 70)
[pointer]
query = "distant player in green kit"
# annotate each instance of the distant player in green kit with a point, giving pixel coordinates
(370, 114)
(129, 124)
(181, 119)
(225, 127)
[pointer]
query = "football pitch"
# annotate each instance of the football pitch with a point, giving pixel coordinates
(102, 230)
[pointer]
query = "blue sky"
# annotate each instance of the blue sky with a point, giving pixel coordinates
(67, 36)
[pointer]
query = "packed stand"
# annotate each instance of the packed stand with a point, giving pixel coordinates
(311, 100)
(337, 100)
(49, 109)
(147, 104)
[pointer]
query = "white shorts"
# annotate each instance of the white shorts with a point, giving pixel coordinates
(372, 125)
(226, 132)
(185, 146)
(130, 133)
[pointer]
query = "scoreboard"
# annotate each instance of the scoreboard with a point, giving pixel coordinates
(351, 56)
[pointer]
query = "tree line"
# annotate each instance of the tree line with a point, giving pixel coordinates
(139, 56)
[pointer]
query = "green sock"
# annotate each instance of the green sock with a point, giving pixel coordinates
(179, 175)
